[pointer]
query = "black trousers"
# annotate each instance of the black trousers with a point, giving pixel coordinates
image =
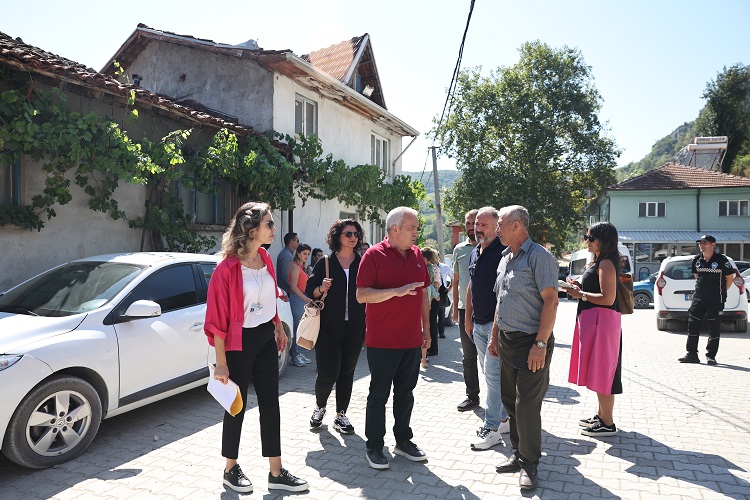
(699, 309)
(434, 308)
(391, 367)
(469, 360)
(336, 355)
(441, 320)
(258, 360)
(522, 393)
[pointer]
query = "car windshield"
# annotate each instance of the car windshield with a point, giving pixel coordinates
(746, 273)
(70, 289)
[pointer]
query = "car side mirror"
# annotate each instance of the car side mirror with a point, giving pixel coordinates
(142, 309)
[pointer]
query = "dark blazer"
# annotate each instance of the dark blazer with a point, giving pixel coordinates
(332, 317)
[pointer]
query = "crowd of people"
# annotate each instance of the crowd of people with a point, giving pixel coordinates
(391, 297)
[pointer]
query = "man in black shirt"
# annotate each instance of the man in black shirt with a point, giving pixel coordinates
(713, 276)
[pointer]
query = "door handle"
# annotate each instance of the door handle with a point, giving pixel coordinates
(196, 327)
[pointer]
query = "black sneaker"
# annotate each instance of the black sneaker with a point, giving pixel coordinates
(237, 480)
(317, 417)
(342, 424)
(588, 422)
(710, 360)
(376, 459)
(286, 481)
(689, 358)
(600, 429)
(411, 451)
(467, 404)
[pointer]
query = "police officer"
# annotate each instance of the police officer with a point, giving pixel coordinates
(713, 276)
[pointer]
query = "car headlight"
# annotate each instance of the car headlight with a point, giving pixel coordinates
(8, 360)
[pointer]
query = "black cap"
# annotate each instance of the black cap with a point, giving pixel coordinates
(706, 237)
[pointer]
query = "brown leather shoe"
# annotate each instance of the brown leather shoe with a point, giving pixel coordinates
(510, 465)
(529, 478)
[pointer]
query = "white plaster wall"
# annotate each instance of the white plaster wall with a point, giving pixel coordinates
(238, 87)
(76, 231)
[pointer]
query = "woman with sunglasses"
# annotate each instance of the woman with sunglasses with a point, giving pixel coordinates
(596, 354)
(432, 262)
(342, 322)
(243, 325)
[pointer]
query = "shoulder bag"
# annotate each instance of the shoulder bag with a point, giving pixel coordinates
(309, 326)
(625, 294)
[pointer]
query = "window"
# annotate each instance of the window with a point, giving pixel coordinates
(10, 182)
(734, 208)
(347, 215)
(205, 208)
(305, 116)
(172, 288)
(380, 153)
(652, 209)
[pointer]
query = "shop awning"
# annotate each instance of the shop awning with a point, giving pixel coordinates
(682, 236)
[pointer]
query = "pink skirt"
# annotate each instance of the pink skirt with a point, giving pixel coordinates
(596, 349)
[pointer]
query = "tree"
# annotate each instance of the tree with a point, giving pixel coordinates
(728, 112)
(530, 135)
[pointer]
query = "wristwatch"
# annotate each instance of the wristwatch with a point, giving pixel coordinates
(584, 297)
(541, 344)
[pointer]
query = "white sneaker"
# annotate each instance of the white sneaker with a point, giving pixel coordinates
(504, 427)
(305, 359)
(486, 439)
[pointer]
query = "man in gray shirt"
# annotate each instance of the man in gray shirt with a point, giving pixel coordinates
(284, 260)
(526, 289)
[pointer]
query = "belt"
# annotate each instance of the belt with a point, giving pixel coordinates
(514, 335)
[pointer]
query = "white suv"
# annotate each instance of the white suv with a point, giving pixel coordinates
(674, 290)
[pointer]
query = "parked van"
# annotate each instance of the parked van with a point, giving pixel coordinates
(581, 258)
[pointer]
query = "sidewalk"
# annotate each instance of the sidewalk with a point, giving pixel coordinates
(685, 433)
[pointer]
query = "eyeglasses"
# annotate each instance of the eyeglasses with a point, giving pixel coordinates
(588, 237)
(271, 223)
(352, 234)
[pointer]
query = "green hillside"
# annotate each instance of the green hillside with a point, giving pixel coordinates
(663, 151)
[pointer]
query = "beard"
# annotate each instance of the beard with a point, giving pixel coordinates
(471, 235)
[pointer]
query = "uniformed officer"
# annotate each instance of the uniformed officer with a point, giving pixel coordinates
(713, 276)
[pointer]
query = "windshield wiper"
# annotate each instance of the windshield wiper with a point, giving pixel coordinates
(19, 310)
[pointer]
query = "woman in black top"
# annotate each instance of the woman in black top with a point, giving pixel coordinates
(342, 322)
(596, 354)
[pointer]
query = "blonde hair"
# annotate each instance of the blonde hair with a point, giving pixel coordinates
(240, 230)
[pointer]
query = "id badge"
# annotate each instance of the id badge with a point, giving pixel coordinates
(255, 309)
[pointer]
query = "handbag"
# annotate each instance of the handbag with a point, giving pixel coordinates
(625, 294)
(444, 300)
(309, 326)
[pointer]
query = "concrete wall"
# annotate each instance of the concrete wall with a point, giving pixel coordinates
(233, 86)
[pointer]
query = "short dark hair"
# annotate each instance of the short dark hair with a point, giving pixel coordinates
(288, 237)
(336, 230)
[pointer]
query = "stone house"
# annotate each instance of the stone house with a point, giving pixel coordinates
(333, 93)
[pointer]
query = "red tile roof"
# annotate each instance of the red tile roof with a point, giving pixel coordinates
(337, 60)
(19, 55)
(676, 176)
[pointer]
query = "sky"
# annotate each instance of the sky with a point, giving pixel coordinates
(651, 60)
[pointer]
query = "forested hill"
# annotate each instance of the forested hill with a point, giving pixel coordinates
(446, 177)
(662, 152)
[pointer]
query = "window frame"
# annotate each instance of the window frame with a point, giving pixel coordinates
(739, 206)
(191, 201)
(304, 102)
(646, 205)
(377, 157)
(13, 193)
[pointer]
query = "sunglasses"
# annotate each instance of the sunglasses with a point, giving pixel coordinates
(271, 224)
(587, 237)
(352, 234)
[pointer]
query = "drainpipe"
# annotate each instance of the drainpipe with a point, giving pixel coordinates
(698, 210)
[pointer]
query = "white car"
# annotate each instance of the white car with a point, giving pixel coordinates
(97, 337)
(746, 276)
(674, 289)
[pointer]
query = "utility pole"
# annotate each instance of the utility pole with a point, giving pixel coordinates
(438, 216)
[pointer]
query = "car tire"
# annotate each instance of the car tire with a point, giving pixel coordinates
(36, 442)
(641, 300)
(740, 325)
(284, 355)
(661, 324)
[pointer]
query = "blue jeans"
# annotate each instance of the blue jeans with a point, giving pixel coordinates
(298, 309)
(494, 411)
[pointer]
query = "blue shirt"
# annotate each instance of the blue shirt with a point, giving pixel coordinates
(482, 274)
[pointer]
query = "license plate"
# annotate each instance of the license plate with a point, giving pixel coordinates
(688, 296)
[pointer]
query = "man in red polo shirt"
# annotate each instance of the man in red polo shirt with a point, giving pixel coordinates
(391, 281)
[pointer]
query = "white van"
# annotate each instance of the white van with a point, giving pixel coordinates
(581, 258)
